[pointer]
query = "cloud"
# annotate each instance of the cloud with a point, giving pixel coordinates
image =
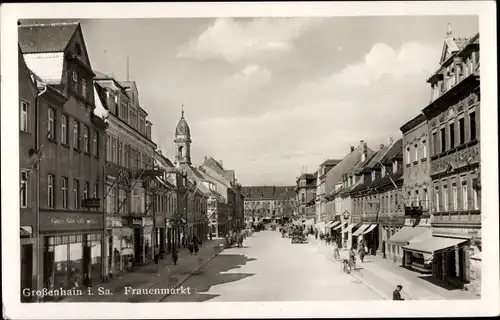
(368, 100)
(251, 76)
(233, 40)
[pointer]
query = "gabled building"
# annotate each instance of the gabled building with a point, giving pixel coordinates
(72, 170)
(453, 117)
(324, 168)
(306, 196)
(378, 203)
(29, 160)
(131, 225)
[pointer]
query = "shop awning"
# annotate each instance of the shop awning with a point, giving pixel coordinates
(370, 229)
(403, 236)
(433, 244)
(334, 224)
(349, 227)
(329, 224)
(361, 229)
(338, 226)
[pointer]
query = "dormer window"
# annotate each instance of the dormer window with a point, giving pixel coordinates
(373, 175)
(84, 88)
(383, 172)
(395, 166)
(78, 50)
(75, 81)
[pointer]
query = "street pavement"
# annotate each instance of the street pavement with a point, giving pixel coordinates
(270, 268)
(165, 275)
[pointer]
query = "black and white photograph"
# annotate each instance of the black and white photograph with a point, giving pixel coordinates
(322, 160)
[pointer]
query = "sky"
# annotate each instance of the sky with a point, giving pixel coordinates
(274, 97)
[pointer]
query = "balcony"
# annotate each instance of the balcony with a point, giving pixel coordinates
(416, 207)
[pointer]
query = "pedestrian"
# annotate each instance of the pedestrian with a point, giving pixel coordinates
(362, 252)
(175, 255)
(396, 295)
(195, 242)
(336, 252)
(157, 255)
(210, 236)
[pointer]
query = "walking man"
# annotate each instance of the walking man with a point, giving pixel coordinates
(157, 256)
(175, 255)
(396, 295)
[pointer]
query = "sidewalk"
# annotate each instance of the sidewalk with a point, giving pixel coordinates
(382, 276)
(164, 275)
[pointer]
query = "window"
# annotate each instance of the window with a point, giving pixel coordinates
(424, 149)
(111, 200)
(96, 191)
(51, 124)
(395, 166)
(76, 138)
(416, 151)
(142, 129)
(24, 188)
(408, 155)
(383, 171)
(50, 191)
(64, 189)
(122, 198)
(438, 204)
(455, 196)
(465, 198)
(445, 198)
(108, 148)
(443, 139)
(461, 129)
(113, 150)
(76, 193)
(85, 190)
(125, 156)
(84, 88)
(303, 197)
(472, 119)
(434, 143)
(95, 144)
(23, 117)
(417, 198)
(64, 129)
(475, 199)
(120, 153)
(452, 135)
(75, 81)
(426, 199)
(373, 175)
(86, 139)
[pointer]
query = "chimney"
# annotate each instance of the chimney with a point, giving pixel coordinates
(205, 159)
(391, 140)
(352, 148)
(382, 146)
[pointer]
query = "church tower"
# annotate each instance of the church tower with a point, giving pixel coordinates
(182, 142)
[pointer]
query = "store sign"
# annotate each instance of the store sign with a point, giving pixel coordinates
(132, 222)
(70, 221)
(91, 203)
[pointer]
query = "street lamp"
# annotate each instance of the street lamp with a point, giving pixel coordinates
(346, 215)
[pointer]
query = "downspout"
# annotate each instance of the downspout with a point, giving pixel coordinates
(39, 250)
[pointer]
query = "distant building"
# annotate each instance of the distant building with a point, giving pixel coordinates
(306, 196)
(321, 212)
(269, 204)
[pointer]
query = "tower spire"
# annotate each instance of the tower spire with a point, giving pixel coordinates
(128, 68)
(448, 31)
(182, 110)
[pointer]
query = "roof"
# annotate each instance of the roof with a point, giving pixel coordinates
(53, 37)
(395, 151)
(413, 123)
(100, 109)
(269, 192)
(345, 165)
(331, 162)
(182, 127)
(48, 66)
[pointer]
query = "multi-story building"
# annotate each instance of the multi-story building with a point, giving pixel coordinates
(334, 185)
(268, 204)
(72, 171)
(377, 200)
(195, 200)
(132, 231)
(349, 219)
(167, 200)
(415, 191)
(321, 212)
(29, 158)
(306, 196)
(453, 120)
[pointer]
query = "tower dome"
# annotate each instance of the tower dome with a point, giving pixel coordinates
(182, 127)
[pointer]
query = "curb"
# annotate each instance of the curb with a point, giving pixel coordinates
(180, 282)
(369, 286)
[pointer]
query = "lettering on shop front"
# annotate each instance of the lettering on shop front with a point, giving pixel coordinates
(69, 220)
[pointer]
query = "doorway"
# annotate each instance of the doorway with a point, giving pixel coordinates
(26, 270)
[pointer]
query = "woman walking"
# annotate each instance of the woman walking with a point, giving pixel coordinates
(175, 255)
